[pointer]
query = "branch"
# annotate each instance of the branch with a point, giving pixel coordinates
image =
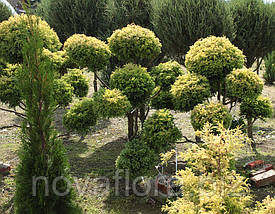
(186, 141)
(15, 112)
(103, 83)
(7, 127)
(258, 65)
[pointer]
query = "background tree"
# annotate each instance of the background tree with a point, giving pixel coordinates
(68, 17)
(5, 12)
(179, 24)
(42, 153)
(269, 62)
(255, 29)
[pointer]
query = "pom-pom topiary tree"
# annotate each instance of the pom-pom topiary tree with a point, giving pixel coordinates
(214, 58)
(86, 51)
(14, 33)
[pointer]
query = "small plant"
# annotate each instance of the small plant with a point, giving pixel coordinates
(269, 74)
(81, 117)
(78, 81)
(267, 206)
(189, 90)
(133, 81)
(212, 113)
(138, 158)
(134, 44)
(111, 103)
(63, 92)
(160, 132)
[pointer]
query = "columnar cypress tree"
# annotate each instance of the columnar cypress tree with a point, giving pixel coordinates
(42, 180)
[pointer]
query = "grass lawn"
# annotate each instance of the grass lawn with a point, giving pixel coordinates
(93, 159)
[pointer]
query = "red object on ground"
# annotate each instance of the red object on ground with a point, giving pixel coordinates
(4, 168)
(254, 164)
(264, 178)
(264, 169)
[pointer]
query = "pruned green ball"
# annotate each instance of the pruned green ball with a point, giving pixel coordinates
(9, 91)
(212, 113)
(81, 117)
(256, 108)
(133, 81)
(190, 90)
(87, 51)
(214, 57)
(62, 92)
(164, 99)
(165, 74)
(111, 103)
(243, 83)
(78, 81)
(138, 158)
(14, 33)
(134, 44)
(160, 132)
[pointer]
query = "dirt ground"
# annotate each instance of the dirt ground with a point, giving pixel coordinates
(95, 156)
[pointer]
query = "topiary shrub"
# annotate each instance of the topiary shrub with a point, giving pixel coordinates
(212, 113)
(138, 158)
(242, 83)
(165, 74)
(269, 74)
(160, 132)
(62, 92)
(86, 51)
(189, 90)
(9, 91)
(111, 103)
(134, 44)
(78, 81)
(214, 58)
(5, 12)
(179, 24)
(164, 99)
(134, 82)
(14, 33)
(81, 117)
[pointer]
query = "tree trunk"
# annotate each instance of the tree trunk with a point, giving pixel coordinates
(130, 125)
(219, 91)
(224, 93)
(250, 133)
(95, 81)
(136, 122)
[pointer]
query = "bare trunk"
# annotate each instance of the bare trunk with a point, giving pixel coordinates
(250, 133)
(95, 81)
(130, 125)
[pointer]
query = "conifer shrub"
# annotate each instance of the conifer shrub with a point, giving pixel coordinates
(111, 103)
(5, 12)
(212, 113)
(160, 132)
(9, 92)
(138, 158)
(14, 33)
(243, 83)
(78, 81)
(269, 62)
(81, 117)
(134, 44)
(179, 24)
(63, 92)
(165, 74)
(134, 82)
(164, 99)
(86, 51)
(189, 90)
(214, 57)
(267, 206)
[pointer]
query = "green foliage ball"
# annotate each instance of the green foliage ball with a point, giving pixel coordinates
(9, 91)
(81, 117)
(160, 132)
(165, 74)
(5, 12)
(189, 90)
(111, 103)
(134, 44)
(212, 113)
(134, 82)
(14, 33)
(214, 57)
(62, 92)
(258, 108)
(87, 51)
(78, 81)
(242, 83)
(138, 158)
(164, 99)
